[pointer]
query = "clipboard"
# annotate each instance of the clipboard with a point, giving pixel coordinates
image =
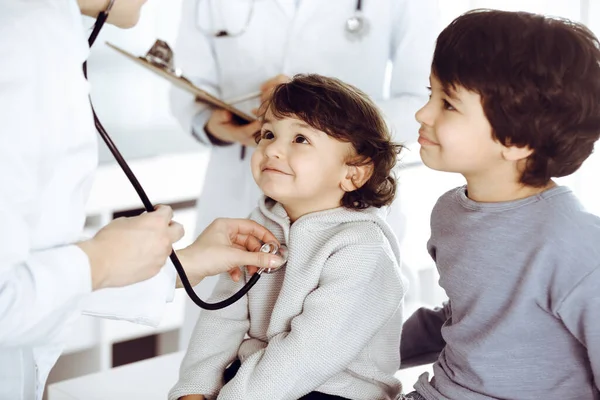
(159, 60)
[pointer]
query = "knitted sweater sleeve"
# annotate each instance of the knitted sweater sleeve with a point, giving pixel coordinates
(214, 343)
(358, 292)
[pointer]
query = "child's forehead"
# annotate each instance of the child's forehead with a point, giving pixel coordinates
(292, 121)
(271, 117)
(451, 89)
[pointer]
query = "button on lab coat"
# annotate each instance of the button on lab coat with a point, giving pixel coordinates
(290, 37)
(48, 154)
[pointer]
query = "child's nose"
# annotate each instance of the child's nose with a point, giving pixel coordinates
(424, 116)
(275, 148)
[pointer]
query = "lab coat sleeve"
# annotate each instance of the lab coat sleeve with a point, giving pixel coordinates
(214, 343)
(38, 291)
(325, 337)
(415, 29)
(422, 335)
(142, 303)
(194, 54)
(37, 287)
(579, 313)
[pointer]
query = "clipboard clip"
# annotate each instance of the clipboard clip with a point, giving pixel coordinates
(159, 59)
(160, 55)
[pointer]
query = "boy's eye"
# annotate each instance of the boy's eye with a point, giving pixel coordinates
(267, 135)
(300, 139)
(448, 106)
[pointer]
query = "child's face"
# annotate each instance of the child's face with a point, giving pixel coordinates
(299, 166)
(455, 135)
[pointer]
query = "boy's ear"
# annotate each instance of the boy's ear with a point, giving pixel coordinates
(356, 176)
(514, 153)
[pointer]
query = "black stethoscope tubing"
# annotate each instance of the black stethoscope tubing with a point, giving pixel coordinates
(100, 20)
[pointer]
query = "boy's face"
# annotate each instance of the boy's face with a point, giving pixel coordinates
(455, 135)
(299, 166)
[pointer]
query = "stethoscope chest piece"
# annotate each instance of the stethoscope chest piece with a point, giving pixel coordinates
(356, 26)
(278, 250)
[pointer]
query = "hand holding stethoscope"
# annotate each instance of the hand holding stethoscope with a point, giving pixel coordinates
(269, 247)
(356, 25)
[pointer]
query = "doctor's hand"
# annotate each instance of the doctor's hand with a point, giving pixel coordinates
(222, 125)
(130, 250)
(266, 89)
(224, 246)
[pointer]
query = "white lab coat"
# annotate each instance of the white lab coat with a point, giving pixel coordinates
(48, 154)
(289, 37)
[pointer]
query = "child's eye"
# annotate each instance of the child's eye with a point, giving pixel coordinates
(260, 135)
(267, 135)
(448, 106)
(300, 139)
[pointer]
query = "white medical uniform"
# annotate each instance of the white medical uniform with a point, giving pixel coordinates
(290, 37)
(48, 154)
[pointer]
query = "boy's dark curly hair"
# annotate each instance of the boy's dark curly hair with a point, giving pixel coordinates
(347, 114)
(539, 81)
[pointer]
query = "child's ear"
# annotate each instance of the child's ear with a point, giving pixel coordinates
(514, 153)
(356, 176)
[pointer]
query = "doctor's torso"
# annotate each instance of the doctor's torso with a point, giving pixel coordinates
(50, 149)
(289, 37)
(54, 136)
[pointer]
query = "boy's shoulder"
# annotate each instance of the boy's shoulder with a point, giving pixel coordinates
(554, 217)
(566, 221)
(363, 226)
(352, 230)
(369, 231)
(450, 196)
(447, 204)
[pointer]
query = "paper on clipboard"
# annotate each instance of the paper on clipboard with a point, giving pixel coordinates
(159, 60)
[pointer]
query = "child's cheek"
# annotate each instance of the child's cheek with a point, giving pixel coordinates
(255, 161)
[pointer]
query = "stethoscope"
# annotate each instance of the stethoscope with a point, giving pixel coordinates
(355, 27)
(269, 247)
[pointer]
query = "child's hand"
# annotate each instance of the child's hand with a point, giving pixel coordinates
(192, 397)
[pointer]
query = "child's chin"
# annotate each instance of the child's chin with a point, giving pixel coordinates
(275, 195)
(432, 163)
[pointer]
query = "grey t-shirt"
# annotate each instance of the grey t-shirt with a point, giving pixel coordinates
(523, 282)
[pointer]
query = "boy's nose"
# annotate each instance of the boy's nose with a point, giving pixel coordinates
(275, 149)
(424, 116)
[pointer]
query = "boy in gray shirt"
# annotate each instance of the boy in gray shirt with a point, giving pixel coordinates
(515, 101)
(327, 326)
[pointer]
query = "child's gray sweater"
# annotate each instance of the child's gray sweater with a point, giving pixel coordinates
(330, 321)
